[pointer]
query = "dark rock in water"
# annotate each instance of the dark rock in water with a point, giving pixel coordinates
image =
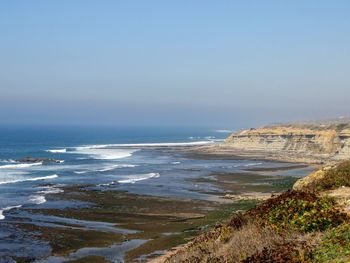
(37, 160)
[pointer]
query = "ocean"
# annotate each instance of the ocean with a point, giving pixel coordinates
(89, 155)
(137, 160)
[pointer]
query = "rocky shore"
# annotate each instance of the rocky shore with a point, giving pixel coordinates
(105, 225)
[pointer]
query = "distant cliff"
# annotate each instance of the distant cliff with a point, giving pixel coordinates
(330, 141)
(289, 142)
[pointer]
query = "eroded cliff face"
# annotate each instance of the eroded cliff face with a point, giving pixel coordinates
(322, 142)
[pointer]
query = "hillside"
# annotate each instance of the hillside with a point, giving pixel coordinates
(308, 224)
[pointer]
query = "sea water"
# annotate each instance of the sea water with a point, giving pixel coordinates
(140, 160)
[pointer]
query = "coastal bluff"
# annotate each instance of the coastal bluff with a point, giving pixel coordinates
(313, 143)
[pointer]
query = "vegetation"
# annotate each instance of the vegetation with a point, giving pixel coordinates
(305, 215)
(337, 177)
(285, 228)
(333, 178)
(299, 211)
(334, 246)
(295, 226)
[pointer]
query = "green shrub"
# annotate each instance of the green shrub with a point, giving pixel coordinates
(300, 211)
(334, 246)
(305, 216)
(335, 177)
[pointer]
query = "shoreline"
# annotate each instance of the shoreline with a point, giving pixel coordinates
(161, 222)
(225, 151)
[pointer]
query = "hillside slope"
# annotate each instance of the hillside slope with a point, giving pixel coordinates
(310, 224)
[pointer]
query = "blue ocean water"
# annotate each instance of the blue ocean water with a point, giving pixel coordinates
(126, 158)
(139, 160)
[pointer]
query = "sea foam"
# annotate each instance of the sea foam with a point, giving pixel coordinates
(57, 151)
(2, 217)
(19, 166)
(105, 154)
(37, 199)
(30, 179)
(162, 144)
(138, 177)
(107, 168)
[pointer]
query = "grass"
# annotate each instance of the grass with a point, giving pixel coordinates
(225, 244)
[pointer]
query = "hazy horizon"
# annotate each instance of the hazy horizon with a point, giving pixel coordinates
(183, 63)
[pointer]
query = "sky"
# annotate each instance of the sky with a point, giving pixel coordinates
(173, 63)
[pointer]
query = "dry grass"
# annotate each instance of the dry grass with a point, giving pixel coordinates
(226, 244)
(253, 236)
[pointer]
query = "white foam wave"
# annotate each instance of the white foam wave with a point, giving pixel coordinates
(175, 162)
(57, 151)
(80, 172)
(162, 144)
(107, 168)
(8, 161)
(20, 165)
(112, 167)
(37, 199)
(2, 217)
(50, 190)
(30, 179)
(140, 177)
(105, 154)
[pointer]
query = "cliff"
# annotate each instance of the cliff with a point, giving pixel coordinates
(313, 143)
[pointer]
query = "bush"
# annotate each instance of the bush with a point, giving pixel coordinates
(334, 246)
(305, 216)
(285, 252)
(335, 177)
(300, 211)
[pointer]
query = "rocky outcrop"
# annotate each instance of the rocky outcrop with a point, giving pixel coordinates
(38, 160)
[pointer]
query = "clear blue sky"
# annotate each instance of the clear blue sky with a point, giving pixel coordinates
(184, 62)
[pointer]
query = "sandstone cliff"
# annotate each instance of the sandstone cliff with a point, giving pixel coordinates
(323, 142)
(290, 142)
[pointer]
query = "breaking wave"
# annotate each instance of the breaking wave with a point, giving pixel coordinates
(104, 154)
(140, 177)
(133, 179)
(30, 179)
(37, 199)
(2, 217)
(20, 165)
(57, 151)
(162, 144)
(107, 168)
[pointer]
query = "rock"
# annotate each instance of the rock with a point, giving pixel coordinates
(38, 160)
